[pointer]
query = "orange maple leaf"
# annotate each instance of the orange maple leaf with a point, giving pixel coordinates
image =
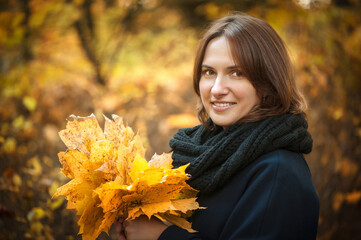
(111, 178)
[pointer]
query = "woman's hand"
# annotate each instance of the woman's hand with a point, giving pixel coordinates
(143, 228)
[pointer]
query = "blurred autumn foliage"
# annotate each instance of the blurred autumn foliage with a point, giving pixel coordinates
(134, 58)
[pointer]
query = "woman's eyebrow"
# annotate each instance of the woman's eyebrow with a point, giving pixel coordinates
(233, 67)
(230, 67)
(206, 66)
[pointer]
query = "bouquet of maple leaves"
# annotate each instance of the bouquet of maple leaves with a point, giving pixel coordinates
(112, 179)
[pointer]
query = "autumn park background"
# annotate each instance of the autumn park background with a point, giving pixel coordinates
(134, 58)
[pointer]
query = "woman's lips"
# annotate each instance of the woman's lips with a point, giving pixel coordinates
(222, 106)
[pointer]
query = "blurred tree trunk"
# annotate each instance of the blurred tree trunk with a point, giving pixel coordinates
(27, 53)
(85, 29)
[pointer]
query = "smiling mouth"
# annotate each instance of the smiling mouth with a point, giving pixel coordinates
(222, 104)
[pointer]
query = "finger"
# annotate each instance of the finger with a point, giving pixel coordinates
(126, 224)
(118, 227)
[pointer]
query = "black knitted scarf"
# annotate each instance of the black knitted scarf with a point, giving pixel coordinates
(216, 155)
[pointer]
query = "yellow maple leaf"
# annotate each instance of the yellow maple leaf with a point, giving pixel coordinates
(111, 178)
(165, 160)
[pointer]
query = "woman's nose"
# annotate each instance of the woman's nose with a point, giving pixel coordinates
(219, 87)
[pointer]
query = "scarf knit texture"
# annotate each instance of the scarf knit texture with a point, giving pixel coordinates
(216, 155)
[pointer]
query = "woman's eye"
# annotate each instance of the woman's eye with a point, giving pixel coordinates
(237, 74)
(208, 72)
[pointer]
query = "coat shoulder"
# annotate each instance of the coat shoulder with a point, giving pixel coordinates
(284, 160)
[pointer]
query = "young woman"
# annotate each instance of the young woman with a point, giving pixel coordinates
(247, 156)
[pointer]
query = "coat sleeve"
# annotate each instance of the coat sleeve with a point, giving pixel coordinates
(279, 202)
(175, 233)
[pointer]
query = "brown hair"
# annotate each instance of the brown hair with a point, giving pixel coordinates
(262, 55)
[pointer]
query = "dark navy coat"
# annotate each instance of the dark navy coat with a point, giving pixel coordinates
(272, 198)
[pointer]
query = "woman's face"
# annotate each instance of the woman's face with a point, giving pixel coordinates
(225, 93)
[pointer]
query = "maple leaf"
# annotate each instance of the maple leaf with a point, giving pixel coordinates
(111, 178)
